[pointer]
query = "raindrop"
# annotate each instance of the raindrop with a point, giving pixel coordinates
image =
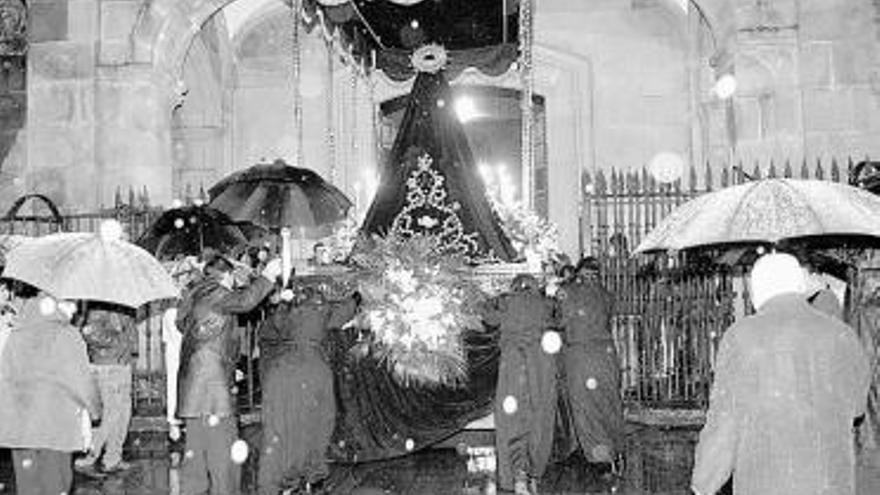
(193, 219)
(276, 439)
(239, 451)
(551, 342)
(269, 450)
(592, 383)
(341, 443)
(409, 444)
(27, 463)
(441, 103)
(414, 24)
(213, 420)
(509, 404)
(178, 223)
(47, 306)
(189, 454)
(176, 203)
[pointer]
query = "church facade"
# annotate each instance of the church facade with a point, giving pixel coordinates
(170, 95)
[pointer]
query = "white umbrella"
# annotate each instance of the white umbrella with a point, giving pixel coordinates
(768, 211)
(99, 267)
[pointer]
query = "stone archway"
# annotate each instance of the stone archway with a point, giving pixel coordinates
(166, 28)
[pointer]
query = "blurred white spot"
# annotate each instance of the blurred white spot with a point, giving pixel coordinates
(47, 306)
(342, 443)
(239, 451)
(609, 349)
(190, 454)
(409, 444)
(178, 223)
(213, 420)
(198, 202)
(67, 307)
(268, 450)
(137, 441)
(441, 103)
(509, 404)
(27, 463)
(725, 86)
(592, 383)
(110, 230)
(551, 342)
(276, 439)
(666, 167)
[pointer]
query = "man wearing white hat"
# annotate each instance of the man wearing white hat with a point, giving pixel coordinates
(789, 381)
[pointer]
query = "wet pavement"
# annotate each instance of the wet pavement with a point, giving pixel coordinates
(658, 462)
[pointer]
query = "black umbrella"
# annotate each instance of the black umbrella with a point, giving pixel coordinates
(189, 230)
(276, 195)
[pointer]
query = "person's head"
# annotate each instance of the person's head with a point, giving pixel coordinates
(220, 269)
(566, 272)
(776, 274)
(321, 254)
(587, 267)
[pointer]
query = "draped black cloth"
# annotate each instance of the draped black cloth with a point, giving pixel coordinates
(430, 127)
(378, 417)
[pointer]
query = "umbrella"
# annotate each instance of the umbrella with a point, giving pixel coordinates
(99, 267)
(8, 242)
(278, 195)
(772, 212)
(189, 230)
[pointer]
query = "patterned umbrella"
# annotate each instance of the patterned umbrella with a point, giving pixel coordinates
(189, 230)
(99, 267)
(278, 195)
(769, 211)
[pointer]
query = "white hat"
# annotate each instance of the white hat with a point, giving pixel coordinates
(775, 274)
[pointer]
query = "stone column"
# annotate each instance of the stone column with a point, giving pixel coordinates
(60, 117)
(133, 104)
(133, 137)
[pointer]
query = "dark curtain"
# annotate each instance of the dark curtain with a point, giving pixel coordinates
(377, 415)
(429, 126)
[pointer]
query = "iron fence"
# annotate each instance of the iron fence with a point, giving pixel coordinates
(671, 310)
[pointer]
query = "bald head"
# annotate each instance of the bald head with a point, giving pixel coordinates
(776, 274)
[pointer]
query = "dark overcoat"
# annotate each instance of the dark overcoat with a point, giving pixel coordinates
(209, 350)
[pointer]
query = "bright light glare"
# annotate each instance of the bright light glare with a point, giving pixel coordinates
(466, 109)
(725, 87)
